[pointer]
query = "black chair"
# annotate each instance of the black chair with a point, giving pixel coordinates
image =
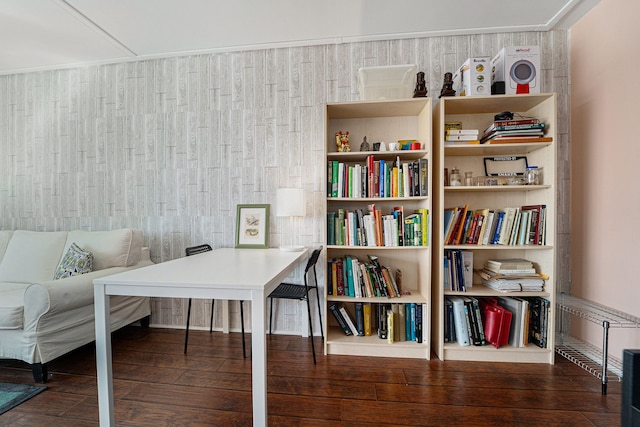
(300, 292)
(194, 250)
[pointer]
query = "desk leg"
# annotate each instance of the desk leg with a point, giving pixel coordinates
(103, 356)
(259, 359)
(225, 316)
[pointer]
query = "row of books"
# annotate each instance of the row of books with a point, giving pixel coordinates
(525, 225)
(458, 270)
(378, 178)
(373, 228)
(515, 321)
(391, 322)
(352, 277)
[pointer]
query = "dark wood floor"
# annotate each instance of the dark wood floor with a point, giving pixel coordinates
(156, 385)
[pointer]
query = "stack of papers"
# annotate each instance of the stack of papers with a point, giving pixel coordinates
(515, 284)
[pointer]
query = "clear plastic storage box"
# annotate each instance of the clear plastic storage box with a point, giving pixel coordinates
(387, 82)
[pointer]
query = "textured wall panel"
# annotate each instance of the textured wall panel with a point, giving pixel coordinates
(172, 145)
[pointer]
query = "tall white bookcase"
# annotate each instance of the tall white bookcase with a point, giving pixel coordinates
(478, 112)
(387, 121)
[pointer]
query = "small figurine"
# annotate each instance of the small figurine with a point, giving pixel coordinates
(342, 142)
(447, 87)
(421, 86)
(365, 145)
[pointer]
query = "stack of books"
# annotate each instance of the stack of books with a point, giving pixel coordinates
(455, 134)
(509, 275)
(510, 267)
(461, 136)
(514, 131)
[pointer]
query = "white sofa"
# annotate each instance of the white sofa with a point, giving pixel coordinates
(41, 318)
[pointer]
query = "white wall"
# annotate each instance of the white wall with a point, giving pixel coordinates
(171, 146)
(605, 156)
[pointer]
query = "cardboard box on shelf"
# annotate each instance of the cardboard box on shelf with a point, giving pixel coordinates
(518, 67)
(473, 77)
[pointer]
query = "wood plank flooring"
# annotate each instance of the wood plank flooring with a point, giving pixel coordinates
(157, 385)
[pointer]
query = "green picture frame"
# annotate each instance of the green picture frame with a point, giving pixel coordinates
(252, 226)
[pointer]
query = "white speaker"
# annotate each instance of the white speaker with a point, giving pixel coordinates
(517, 67)
(522, 73)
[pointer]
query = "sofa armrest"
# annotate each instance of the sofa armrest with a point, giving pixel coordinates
(54, 296)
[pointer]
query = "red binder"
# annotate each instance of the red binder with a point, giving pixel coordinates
(496, 321)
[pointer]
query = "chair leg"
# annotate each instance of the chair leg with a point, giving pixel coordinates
(313, 346)
(244, 348)
(211, 321)
(319, 313)
(270, 316)
(186, 334)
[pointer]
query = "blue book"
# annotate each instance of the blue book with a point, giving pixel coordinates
(359, 308)
(496, 235)
(382, 178)
(412, 319)
(349, 269)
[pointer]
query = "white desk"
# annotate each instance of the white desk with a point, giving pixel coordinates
(231, 274)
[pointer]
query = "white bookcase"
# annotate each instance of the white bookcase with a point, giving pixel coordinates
(478, 112)
(387, 121)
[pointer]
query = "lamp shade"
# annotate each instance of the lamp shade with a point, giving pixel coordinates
(290, 202)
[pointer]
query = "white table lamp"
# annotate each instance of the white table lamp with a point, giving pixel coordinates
(290, 203)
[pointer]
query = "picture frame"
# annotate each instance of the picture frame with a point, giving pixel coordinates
(252, 226)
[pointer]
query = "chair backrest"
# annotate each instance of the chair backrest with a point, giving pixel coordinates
(313, 259)
(194, 250)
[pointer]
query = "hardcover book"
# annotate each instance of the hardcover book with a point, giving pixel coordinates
(335, 310)
(460, 321)
(497, 322)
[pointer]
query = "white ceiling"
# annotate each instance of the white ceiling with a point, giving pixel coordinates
(49, 34)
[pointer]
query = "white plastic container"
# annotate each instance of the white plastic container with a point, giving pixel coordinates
(387, 82)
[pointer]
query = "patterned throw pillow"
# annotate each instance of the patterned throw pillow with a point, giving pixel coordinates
(76, 261)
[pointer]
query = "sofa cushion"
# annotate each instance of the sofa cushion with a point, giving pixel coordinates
(32, 256)
(75, 261)
(114, 248)
(5, 236)
(12, 305)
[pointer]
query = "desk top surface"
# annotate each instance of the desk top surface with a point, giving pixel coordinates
(224, 267)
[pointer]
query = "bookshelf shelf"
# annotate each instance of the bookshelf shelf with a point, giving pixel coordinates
(339, 343)
(386, 155)
(376, 199)
(388, 121)
(496, 188)
(483, 291)
(379, 248)
(404, 299)
(500, 247)
(488, 353)
(477, 112)
(493, 150)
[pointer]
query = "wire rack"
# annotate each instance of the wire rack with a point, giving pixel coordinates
(596, 313)
(588, 357)
(594, 360)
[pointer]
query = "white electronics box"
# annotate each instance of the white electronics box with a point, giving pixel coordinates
(473, 77)
(387, 82)
(518, 67)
